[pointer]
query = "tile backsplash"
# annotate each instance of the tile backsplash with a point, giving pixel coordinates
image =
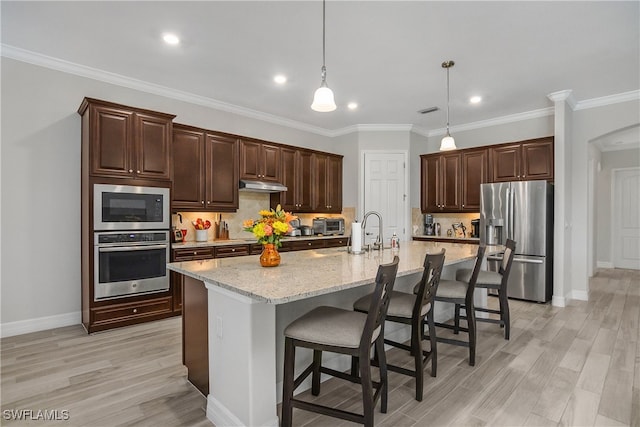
(445, 220)
(249, 206)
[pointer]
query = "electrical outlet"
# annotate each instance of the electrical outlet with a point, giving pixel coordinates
(219, 326)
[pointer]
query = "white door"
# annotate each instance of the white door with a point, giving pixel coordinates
(385, 192)
(626, 215)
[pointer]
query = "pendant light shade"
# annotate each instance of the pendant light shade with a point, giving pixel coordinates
(448, 143)
(323, 98)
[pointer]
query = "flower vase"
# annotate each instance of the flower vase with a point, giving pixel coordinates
(270, 256)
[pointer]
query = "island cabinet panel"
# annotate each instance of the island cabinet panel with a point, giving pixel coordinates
(259, 161)
(205, 166)
(475, 165)
(296, 175)
(126, 142)
(522, 161)
(186, 254)
(195, 333)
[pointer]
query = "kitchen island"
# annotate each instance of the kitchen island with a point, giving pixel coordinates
(247, 308)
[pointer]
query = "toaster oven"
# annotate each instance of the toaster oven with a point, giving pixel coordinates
(328, 226)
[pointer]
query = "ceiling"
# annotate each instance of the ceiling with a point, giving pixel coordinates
(384, 55)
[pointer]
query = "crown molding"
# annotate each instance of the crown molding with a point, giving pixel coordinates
(131, 83)
(527, 115)
(633, 95)
(38, 59)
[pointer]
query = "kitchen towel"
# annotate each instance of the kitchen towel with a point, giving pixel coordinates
(356, 237)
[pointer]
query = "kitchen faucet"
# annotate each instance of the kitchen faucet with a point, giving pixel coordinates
(379, 243)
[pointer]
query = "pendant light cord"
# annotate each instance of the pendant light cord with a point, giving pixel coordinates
(324, 68)
(447, 100)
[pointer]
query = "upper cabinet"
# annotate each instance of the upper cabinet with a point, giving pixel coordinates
(450, 181)
(327, 176)
(205, 166)
(125, 142)
(296, 175)
(440, 182)
(522, 161)
(259, 161)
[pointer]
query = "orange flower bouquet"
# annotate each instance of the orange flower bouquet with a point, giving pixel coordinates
(271, 225)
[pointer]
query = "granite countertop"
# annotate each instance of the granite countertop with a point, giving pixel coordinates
(424, 236)
(304, 274)
(245, 241)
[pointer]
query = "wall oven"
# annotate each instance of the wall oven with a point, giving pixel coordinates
(130, 263)
(127, 207)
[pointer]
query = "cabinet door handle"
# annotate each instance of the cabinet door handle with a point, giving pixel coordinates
(130, 170)
(135, 310)
(233, 250)
(309, 244)
(202, 202)
(137, 171)
(208, 202)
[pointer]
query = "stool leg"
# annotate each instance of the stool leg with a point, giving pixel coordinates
(382, 364)
(504, 313)
(315, 378)
(434, 342)
(287, 389)
(471, 325)
(367, 388)
(354, 366)
(416, 349)
(456, 323)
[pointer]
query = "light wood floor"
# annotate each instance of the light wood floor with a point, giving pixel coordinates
(575, 366)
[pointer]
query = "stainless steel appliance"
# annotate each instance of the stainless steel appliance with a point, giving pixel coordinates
(130, 263)
(475, 228)
(521, 211)
(295, 228)
(127, 207)
(305, 230)
(328, 226)
(429, 228)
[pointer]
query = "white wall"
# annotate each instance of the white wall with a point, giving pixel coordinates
(40, 178)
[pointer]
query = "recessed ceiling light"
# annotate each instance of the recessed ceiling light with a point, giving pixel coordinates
(352, 105)
(280, 79)
(171, 39)
(475, 99)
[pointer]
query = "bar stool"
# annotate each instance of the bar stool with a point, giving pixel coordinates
(496, 280)
(460, 293)
(411, 309)
(346, 332)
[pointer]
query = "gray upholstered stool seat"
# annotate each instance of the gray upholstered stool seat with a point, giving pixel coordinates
(330, 326)
(400, 305)
(485, 278)
(452, 289)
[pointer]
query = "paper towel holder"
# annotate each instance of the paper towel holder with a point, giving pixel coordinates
(349, 250)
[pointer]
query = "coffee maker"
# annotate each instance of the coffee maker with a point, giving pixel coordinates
(429, 226)
(475, 225)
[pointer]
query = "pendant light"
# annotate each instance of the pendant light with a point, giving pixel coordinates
(448, 143)
(323, 98)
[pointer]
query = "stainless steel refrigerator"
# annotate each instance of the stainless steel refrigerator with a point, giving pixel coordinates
(521, 211)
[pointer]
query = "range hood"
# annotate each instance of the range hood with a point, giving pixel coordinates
(261, 186)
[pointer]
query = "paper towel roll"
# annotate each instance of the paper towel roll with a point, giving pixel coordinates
(356, 237)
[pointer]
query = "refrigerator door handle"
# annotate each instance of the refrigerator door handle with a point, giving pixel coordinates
(527, 261)
(506, 218)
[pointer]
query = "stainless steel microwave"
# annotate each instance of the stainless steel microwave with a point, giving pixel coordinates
(328, 226)
(127, 207)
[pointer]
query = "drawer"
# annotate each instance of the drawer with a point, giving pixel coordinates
(256, 249)
(335, 243)
(307, 244)
(232, 250)
(192, 254)
(131, 311)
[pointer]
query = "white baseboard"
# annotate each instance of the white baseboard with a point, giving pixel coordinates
(20, 327)
(580, 295)
(558, 301)
(604, 264)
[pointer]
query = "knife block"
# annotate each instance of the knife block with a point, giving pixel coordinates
(221, 234)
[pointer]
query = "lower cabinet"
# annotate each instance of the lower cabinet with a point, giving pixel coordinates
(129, 313)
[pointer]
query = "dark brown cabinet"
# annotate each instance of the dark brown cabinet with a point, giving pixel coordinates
(125, 142)
(177, 279)
(259, 161)
(327, 178)
(296, 175)
(475, 164)
(441, 175)
(522, 161)
(205, 166)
